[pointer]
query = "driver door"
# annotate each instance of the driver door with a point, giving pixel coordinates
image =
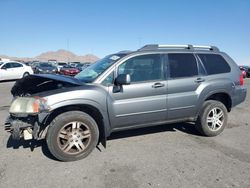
(144, 101)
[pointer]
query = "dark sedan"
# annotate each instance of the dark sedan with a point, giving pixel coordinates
(45, 68)
(69, 70)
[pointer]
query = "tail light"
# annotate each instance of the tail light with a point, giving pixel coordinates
(241, 79)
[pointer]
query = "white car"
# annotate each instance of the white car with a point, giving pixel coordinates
(60, 65)
(14, 70)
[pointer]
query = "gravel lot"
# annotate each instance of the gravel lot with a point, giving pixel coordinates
(163, 156)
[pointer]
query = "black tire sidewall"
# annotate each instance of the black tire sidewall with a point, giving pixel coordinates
(25, 74)
(59, 122)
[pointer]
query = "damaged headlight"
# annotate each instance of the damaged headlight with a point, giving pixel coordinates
(29, 105)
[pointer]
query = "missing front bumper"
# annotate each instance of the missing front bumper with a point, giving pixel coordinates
(22, 128)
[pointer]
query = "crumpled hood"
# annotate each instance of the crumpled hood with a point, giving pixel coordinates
(43, 82)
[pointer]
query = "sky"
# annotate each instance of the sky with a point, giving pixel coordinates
(101, 27)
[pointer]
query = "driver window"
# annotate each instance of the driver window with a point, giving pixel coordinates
(143, 68)
(7, 66)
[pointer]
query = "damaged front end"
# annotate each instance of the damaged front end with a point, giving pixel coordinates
(25, 117)
(26, 128)
(29, 108)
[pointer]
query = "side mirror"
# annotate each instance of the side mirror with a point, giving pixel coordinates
(123, 79)
(4, 68)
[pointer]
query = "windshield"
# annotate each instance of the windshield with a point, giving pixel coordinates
(45, 65)
(1, 63)
(62, 63)
(93, 71)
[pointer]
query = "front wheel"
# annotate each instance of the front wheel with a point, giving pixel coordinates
(72, 136)
(212, 118)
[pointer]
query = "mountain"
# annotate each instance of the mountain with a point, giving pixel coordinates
(59, 55)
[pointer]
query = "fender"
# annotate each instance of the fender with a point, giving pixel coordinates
(205, 91)
(77, 102)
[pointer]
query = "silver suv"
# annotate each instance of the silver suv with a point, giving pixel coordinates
(157, 84)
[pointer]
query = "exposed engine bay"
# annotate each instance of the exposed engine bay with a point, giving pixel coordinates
(24, 125)
(42, 82)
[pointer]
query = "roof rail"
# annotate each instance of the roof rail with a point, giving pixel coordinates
(211, 48)
(189, 47)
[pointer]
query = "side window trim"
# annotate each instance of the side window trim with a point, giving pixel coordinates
(166, 62)
(200, 66)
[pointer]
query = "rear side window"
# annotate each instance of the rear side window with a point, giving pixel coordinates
(16, 65)
(214, 63)
(182, 65)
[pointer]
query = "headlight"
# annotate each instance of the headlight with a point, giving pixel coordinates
(28, 105)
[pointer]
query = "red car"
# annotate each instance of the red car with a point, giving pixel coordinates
(69, 70)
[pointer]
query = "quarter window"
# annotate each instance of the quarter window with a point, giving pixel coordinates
(108, 80)
(214, 63)
(143, 68)
(182, 65)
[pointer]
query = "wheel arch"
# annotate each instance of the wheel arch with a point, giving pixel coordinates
(223, 97)
(100, 116)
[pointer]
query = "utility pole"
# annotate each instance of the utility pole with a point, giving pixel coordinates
(68, 49)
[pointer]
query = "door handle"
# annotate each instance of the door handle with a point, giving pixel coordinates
(158, 84)
(199, 80)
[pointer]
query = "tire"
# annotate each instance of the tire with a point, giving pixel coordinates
(72, 136)
(212, 119)
(26, 74)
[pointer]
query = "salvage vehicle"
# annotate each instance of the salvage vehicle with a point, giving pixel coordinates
(157, 84)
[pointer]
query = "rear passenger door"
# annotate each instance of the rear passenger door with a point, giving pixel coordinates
(17, 70)
(183, 81)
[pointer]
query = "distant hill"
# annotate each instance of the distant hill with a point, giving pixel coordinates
(59, 55)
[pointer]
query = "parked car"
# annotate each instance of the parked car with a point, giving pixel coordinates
(82, 66)
(34, 64)
(14, 70)
(45, 68)
(157, 84)
(246, 69)
(74, 64)
(60, 65)
(69, 70)
(243, 72)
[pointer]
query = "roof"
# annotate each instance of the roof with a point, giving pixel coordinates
(189, 47)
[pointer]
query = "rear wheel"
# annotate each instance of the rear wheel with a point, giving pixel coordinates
(26, 74)
(212, 118)
(72, 136)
